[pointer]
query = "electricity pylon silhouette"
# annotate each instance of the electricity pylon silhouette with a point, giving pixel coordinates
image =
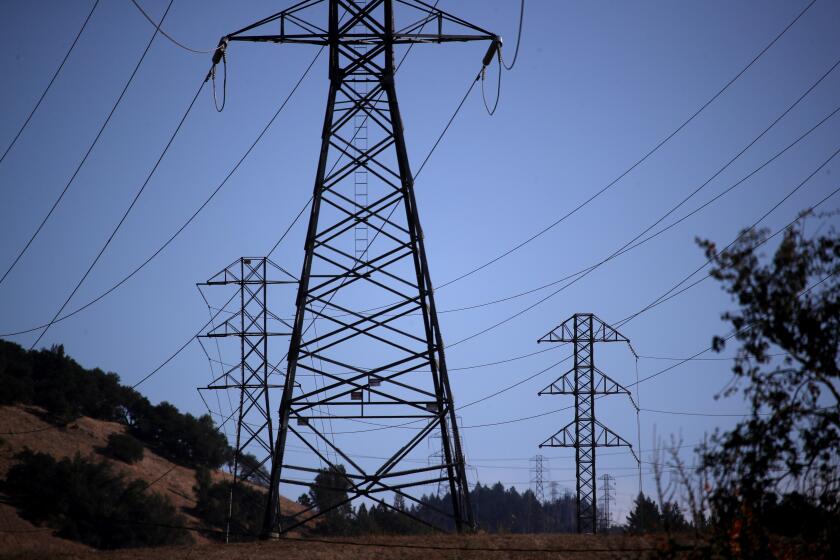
(607, 498)
(538, 477)
(380, 357)
(253, 325)
(585, 381)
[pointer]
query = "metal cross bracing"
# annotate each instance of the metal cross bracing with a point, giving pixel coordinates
(585, 433)
(252, 325)
(384, 366)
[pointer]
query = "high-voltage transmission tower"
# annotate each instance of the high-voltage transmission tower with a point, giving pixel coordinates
(585, 433)
(377, 350)
(607, 498)
(537, 470)
(250, 379)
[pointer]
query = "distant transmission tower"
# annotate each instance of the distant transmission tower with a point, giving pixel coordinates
(585, 381)
(555, 492)
(538, 468)
(380, 358)
(437, 457)
(249, 380)
(607, 498)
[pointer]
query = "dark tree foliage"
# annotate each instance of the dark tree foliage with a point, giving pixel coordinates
(506, 510)
(647, 517)
(214, 503)
(497, 510)
(328, 494)
(87, 502)
(124, 448)
(785, 456)
(55, 382)
(182, 437)
(251, 470)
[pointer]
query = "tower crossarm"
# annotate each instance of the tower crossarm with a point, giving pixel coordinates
(565, 437)
(601, 331)
(295, 25)
(603, 384)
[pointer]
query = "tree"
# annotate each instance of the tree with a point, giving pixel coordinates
(124, 448)
(673, 519)
(328, 493)
(645, 517)
(219, 502)
(788, 305)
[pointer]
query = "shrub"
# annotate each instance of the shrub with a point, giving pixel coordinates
(87, 502)
(214, 503)
(124, 447)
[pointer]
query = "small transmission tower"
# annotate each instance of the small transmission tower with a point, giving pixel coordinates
(253, 324)
(585, 381)
(607, 498)
(538, 469)
(380, 358)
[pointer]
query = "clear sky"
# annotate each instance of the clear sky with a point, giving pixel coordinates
(597, 85)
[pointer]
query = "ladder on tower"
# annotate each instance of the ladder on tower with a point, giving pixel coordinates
(361, 86)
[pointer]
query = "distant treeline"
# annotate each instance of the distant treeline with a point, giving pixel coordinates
(497, 510)
(55, 382)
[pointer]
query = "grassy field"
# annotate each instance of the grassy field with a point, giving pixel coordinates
(370, 548)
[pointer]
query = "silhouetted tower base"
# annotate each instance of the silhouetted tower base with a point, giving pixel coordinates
(585, 433)
(376, 357)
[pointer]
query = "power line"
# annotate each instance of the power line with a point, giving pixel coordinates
(122, 219)
(731, 335)
(518, 39)
(639, 161)
(49, 85)
(728, 359)
(626, 245)
(213, 194)
(664, 297)
(188, 221)
(629, 246)
(90, 148)
(167, 35)
(624, 321)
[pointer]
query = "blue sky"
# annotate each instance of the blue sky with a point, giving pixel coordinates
(596, 86)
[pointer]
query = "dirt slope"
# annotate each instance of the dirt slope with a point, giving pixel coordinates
(84, 436)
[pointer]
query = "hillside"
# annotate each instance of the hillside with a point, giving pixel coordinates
(86, 436)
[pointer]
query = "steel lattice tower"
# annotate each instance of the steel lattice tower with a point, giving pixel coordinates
(378, 349)
(585, 381)
(538, 477)
(607, 498)
(253, 324)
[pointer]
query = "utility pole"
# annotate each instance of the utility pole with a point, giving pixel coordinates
(253, 324)
(608, 489)
(538, 477)
(585, 433)
(380, 357)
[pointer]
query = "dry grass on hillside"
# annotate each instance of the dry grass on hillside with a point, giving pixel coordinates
(84, 436)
